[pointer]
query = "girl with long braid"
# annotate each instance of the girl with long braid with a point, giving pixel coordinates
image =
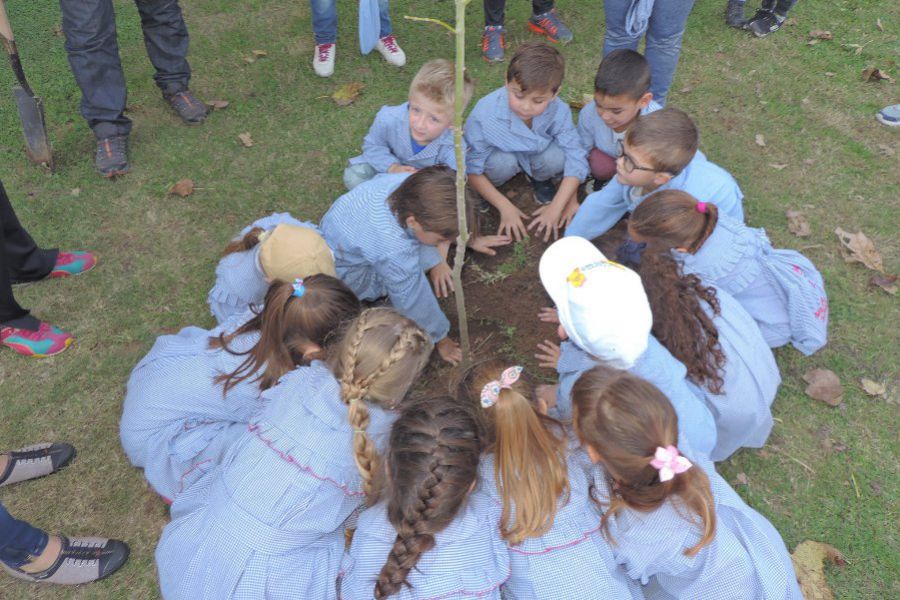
(672, 522)
(269, 523)
(537, 478)
(431, 535)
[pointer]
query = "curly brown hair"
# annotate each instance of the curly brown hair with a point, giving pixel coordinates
(431, 466)
(680, 322)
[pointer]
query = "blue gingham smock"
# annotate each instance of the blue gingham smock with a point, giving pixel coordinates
(493, 126)
(571, 560)
(176, 422)
(240, 280)
(701, 178)
(389, 141)
(594, 133)
(269, 523)
(469, 559)
(659, 367)
(746, 560)
(377, 257)
(743, 412)
(781, 289)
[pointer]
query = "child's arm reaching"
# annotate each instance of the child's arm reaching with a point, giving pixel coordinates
(599, 211)
(511, 218)
(376, 145)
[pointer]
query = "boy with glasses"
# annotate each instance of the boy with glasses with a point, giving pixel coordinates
(659, 153)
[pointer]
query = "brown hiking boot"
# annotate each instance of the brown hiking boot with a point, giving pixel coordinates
(191, 110)
(81, 560)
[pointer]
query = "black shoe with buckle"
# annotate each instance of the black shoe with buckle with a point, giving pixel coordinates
(191, 110)
(112, 156)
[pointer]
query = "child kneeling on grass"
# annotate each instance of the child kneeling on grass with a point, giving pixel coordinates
(525, 127)
(415, 134)
(274, 247)
(673, 523)
(621, 94)
(659, 153)
(781, 289)
(537, 477)
(192, 396)
(432, 534)
(385, 233)
(605, 318)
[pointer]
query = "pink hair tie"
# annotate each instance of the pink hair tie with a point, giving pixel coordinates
(490, 393)
(669, 462)
(701, 207)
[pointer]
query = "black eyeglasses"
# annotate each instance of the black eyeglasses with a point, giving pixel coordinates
(628, 164)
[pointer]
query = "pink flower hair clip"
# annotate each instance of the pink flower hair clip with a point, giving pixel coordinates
(490, 393)
(669, 462)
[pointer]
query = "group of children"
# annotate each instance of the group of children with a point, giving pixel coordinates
(296, 466)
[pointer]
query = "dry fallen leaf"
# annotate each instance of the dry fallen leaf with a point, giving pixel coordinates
(809, 561)
(760, 140)
(820, 34)
(76, 191)
(856, 247)
(579, 103)
(249, 60)
(260, 53)
(829, 74)
(347, 93)
(885, 150)
(183, 188)
(57, 30)
(823, 385)
(874, 74)
(218, 104)
(873, 388)
(808, 161)
(778, 166)
(886, 282)
(741, 479)
(797, 223)
(879, 25)
(791, 22)
(246, 140)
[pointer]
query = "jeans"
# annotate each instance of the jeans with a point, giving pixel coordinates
(19, 541)
(664, 33)
(495, 10)
(324, 19)
(90, 29)
(20, 260)
(502, 166)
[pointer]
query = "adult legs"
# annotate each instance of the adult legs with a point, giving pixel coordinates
(166, 40)
(664, 33)
(93, 51)
(616, 36)
(324, 20)
(384, 9)
(19, 541)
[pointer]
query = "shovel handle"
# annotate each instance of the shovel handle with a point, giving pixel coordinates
(6, 29)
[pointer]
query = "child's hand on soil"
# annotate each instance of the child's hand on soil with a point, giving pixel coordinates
(546, 220)
(449, 351)
(548, 315)
(568, 213)
(486, 243)
(398, 168)
(441, 279)
(511, 222)
(548, 355)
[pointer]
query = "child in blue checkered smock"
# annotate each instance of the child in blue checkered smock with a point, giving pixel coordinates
(781, 289)
(672, 522)
(385, 233)
(659, 153)
(269, 522)
(430, 536)
(274, 247)
(191, 397)
(721, 345)
(415, 134)
(536, 478)
(604, 317)
(525, 127)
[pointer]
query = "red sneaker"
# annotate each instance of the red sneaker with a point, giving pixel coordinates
(73, 263)
(46, 341)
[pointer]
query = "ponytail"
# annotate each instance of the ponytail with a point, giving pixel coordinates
(529, 450)
(249, 240)
(673, 219)
(432, 464)
(624, 419)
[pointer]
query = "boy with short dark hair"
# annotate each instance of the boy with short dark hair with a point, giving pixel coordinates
(659, 153)
(621, 94)
(524, 126)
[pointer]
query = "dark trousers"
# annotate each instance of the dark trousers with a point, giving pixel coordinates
(19, 541)
(20, 260)
(495, 10)
(90, 29)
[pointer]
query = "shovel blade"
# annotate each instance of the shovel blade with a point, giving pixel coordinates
(31, 113)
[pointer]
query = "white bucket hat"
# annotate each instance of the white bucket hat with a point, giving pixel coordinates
(602, 304)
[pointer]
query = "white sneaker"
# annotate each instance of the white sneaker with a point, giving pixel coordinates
(323, 61)
(391, 52)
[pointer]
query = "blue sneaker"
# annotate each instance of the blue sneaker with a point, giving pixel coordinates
(492, 44)
(550, 26)
(889, 115)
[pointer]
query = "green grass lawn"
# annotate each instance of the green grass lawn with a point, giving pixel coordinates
(828, 474)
